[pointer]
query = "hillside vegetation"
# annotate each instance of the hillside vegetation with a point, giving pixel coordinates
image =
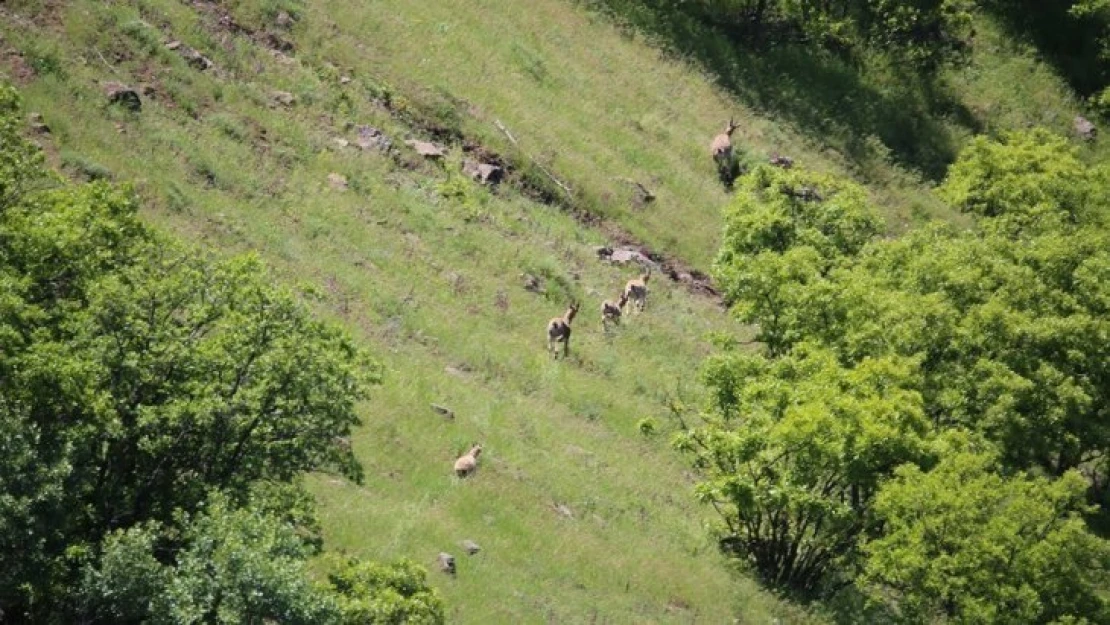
(583, 511)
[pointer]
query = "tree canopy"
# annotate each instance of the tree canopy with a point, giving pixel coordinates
(878, 350)
(148, 392)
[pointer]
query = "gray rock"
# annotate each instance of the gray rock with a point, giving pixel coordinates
(446, 563)
(444, 410)
(121, 94)
(38, 124)
(1085, 128)
(484, 173)
(337, 181)
(426, 148)
(370, 138)
(564, 511)
(284, 98)
(471, 547)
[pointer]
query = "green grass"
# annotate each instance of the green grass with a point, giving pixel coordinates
(425, 270)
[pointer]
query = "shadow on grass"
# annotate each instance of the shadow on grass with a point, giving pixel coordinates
(880, 112)
(1071, 45)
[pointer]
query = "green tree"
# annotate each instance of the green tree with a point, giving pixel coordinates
(137, 377)
(793, 450)
(398, 593)
(785, 231)
(965, 543)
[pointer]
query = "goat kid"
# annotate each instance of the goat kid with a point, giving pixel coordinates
(468, 462)
(611, 311)
(636, 291)
(558, 331)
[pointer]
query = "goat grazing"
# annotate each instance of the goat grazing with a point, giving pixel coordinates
(611, 311)
(468, 462)
(558, 331)
(636, 290)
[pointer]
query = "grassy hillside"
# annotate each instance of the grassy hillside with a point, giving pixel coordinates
(425, 267)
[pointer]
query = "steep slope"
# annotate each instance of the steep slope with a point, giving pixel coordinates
(581, 518)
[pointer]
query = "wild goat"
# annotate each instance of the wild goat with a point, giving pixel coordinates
(636, 290)
(611, 311)
(721, 147)
(558, 331)
(468, 462)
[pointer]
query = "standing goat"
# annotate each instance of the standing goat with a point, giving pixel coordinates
(611, 311)
(721, 150)
(468, 462)
(636, 290)
(558, 331)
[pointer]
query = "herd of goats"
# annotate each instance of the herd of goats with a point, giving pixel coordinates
(635, 291)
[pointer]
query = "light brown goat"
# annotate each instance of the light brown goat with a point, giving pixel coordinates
(721, 146)
(636, 291)
(611, 311)
(468, 462)
(558, 331)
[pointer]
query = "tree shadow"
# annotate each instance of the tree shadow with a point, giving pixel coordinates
(1069, 44)
(900, 117)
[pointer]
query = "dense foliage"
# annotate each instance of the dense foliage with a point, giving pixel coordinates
(878, 351)
(148, 394)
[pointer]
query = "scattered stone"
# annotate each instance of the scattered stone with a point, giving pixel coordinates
(471, 547)
(484, 173)
(284, 98)
(284, 20)
(191, 56)
(38, 124)
(341, 142)
(337, 181)
(532, 283)
(426, 148)
(344, 80)
(455, 371)
(629, 255)
(446, 563)
(564, 511)
(1085, 128)
(784, 162)
(121, 94)
(444, 410)
(643, 196)
(370, 138)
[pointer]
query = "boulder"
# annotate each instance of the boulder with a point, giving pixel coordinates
(337, 181)
(471, 547)
(284, 98)
(426, 148)
(122, 95)
(1085, 128)
(370, 138)
(446, 563)
(484, 173)
(38, 124)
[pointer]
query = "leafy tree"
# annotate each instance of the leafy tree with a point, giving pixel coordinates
(233, 565)
(1026, 182)
(793, 451)
(137, 378)
(786, 230)
(965, 543)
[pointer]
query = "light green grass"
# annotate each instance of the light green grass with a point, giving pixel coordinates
(428, 283)
(425, 283)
